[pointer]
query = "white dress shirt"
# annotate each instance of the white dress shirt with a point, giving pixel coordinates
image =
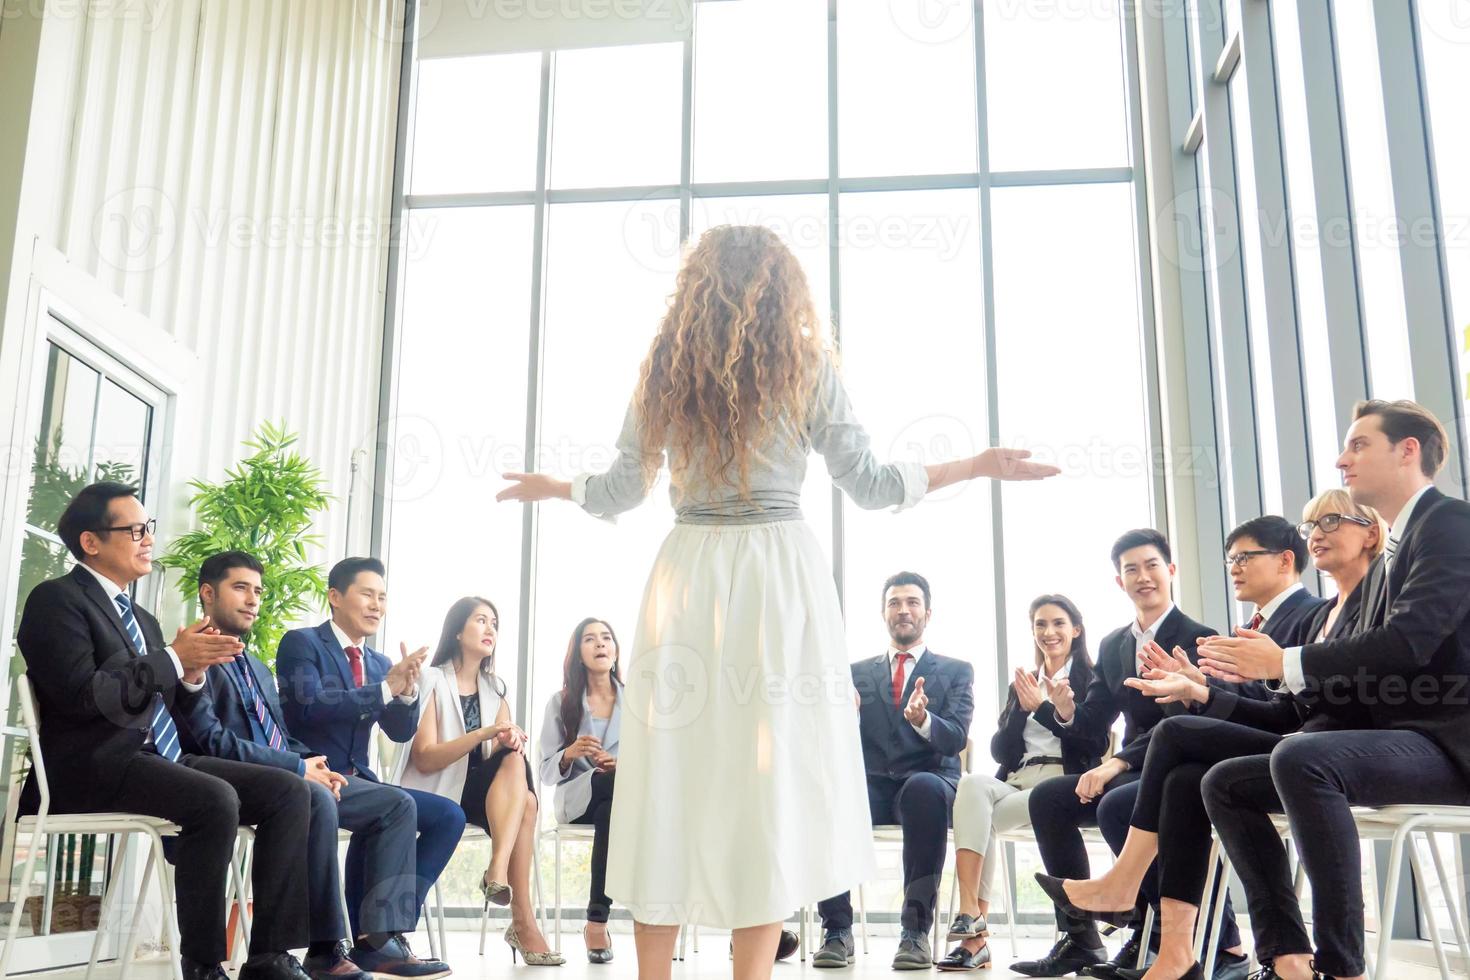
(909, 666)
(387, 691)
(1040, 741)
(1143, 637)
(1291, 659)
(114, 590)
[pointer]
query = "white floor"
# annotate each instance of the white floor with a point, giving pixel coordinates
(712, 961)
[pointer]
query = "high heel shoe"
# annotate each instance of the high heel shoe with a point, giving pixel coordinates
(600, 955)
(495, 892)
(1058, 894)
(547, 958)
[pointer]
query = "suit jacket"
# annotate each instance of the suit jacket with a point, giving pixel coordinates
(1289, 626)
(891, 747)
(215, 721)
(1283, 712)
(1081, 749)
(326, 710)
(94, 692)
(1107, 697)
(1408, 661)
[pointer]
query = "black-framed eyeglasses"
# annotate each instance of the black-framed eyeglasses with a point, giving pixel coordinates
(138, 531)
(1329, 523)
(1239, 559)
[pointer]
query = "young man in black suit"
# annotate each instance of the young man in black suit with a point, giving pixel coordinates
(1061, 806)
(238, 716)
(104, 681)
(914, 715)
(1407, 664)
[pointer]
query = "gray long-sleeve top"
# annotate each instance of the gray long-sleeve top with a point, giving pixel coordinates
(777, 470)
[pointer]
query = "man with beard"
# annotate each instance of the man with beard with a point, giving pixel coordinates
(914, 714)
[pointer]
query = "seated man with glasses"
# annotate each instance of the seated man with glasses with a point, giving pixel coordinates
(104, 683)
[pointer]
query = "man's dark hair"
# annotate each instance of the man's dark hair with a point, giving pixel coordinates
(1402, 419)
(907, 578)
(216, 567)
(345, 572)
(1137, 538)
(1272, 533)
(88, 512)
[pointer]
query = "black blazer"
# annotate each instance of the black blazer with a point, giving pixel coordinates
(1283, 712)
(1291, 625)
(94, 691)
(891, 747)
(215, 721)
(1408, 661)
(1081, 749)
(1107, 697)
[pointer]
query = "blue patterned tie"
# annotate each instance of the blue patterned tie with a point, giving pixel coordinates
(267, 723)
(161, 726)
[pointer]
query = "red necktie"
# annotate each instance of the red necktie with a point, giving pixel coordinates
(354, 656)
(1256, 622)
(898, 681)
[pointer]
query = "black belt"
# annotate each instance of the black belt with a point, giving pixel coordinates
(1041, 760)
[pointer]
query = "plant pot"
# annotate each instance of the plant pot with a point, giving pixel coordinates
(69, 912)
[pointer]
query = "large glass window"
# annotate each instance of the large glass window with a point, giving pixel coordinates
(907, 301)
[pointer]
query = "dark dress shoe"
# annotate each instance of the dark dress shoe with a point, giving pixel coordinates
(959, 959)
(967, 927)
(1065, 957)
(282, 966)
(597, 954)
(1196, 972)
(913, 951)
(202, 971)
(1268, 972)
(1058, 894)
(393, 958)
(787, 944)
(837, 950)
(1231, 966)
(1125, 959)
(333, 964)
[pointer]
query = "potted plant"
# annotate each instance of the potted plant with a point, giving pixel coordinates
(265, 506)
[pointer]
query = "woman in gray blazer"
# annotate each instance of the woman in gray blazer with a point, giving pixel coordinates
(579, 756)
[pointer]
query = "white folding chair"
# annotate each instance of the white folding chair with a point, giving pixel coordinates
(1397, 824)
(45, 825)
(893, 834)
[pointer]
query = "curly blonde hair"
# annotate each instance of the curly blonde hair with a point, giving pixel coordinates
(740, 348)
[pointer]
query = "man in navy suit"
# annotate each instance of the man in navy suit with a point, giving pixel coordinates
(914, 716)
(334, 689)
(236, 715)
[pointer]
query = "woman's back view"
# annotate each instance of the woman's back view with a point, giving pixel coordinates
(741, 790)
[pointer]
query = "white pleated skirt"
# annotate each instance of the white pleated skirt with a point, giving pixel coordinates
(740, 794)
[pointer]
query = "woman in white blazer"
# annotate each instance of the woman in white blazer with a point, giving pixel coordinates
(467, 749)
(579, 756)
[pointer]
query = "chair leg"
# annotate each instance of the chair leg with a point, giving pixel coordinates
(1207, 897)
(556, 912)
(1421, 887)
(683, 933)
(1148, 928)
(48, 897)
(429, 928)
(240, 865)
(694, 928)
(801, 923)
(1005, 853)
(130, 947)
(19, 907)
(863, 918)
(111, 896)
(1389, 904)
(540, 890)
(439, 920)
(172, 936)
(1217, 917)
(1444, 886)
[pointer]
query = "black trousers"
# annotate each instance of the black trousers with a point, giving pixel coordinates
(922, 804)
(1058, 816)
(599, 815)
(1315, 779)
(1170, 802)
(210, 799)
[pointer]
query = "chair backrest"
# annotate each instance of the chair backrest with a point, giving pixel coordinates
(30, 715)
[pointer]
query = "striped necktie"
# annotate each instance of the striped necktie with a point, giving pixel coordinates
(273, 736)
(160, 727)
